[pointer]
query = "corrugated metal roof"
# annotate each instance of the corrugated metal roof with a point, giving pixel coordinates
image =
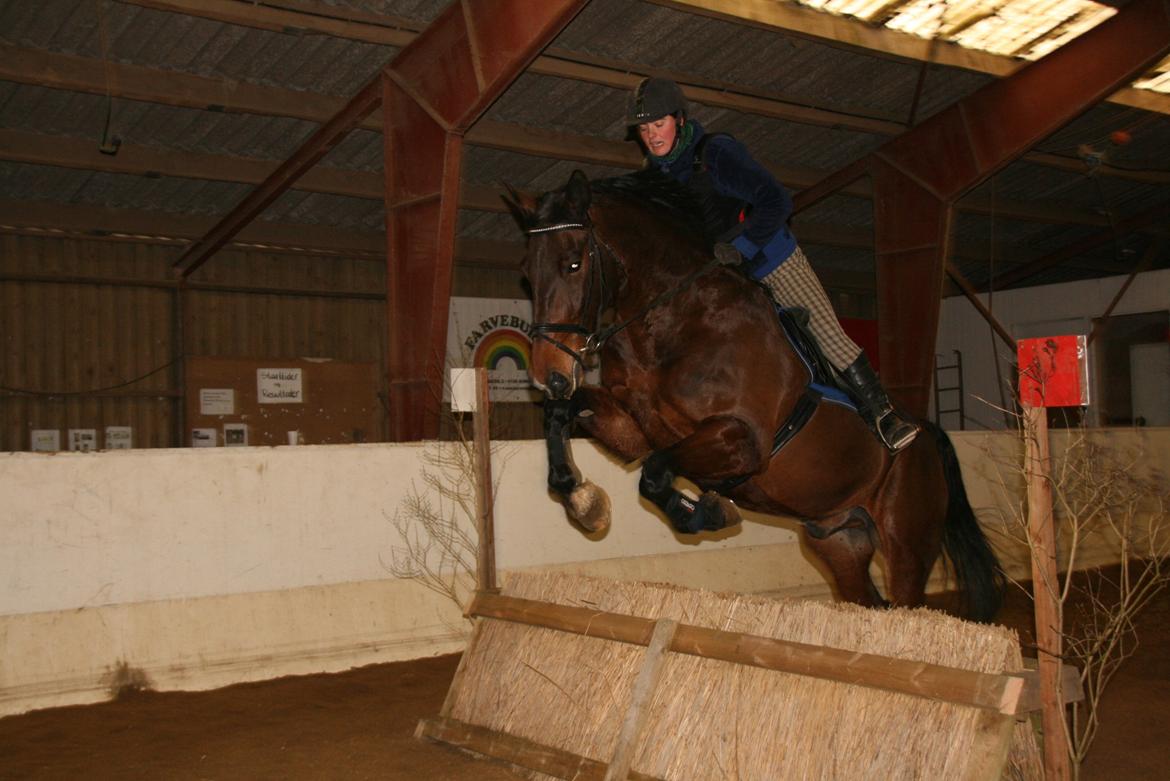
(633, 37)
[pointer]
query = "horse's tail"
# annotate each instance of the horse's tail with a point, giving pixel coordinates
(977, 570)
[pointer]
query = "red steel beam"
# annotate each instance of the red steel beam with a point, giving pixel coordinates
(285, 176)
(432, 92)
(919, 175)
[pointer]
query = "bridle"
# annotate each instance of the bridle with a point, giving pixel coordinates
(596, 338)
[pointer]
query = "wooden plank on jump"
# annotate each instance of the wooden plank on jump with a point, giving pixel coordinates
(636, 716)
(518, 751)
(990, 747)
(996, 692)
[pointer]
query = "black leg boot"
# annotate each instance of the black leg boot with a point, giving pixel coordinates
(894, 431)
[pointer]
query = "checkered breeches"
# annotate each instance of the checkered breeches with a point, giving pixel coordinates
(794, 283)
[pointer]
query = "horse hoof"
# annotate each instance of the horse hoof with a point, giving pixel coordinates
(721, 512)
(588, 505)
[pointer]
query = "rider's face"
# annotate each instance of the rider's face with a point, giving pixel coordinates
(658, 136)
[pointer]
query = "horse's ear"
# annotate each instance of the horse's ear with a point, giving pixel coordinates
(577, 194)
(521, 205)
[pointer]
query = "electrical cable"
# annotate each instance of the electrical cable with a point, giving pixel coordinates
(91, 391)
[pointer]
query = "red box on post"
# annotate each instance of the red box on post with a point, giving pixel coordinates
(1054, 371)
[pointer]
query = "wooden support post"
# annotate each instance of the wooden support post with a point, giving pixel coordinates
(1045, 593)
(635, 722)
(484, 517)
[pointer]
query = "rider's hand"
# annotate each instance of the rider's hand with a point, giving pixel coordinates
(728, 255)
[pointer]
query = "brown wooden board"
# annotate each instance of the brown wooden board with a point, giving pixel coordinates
(339, 401)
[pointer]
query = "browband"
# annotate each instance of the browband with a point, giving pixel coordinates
(559, 227)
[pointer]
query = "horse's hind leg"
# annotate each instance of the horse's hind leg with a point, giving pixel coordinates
(847, 546)
(719, 449)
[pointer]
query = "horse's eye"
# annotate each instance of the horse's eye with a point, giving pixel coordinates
(575, 266)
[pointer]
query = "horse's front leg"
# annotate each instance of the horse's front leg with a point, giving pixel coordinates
(720, 448)
(584, 502)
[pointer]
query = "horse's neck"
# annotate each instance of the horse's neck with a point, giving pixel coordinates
(651, 268)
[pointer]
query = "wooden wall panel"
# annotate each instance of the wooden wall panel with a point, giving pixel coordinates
(82, 315)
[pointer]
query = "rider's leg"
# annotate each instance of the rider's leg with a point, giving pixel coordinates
(795, 283)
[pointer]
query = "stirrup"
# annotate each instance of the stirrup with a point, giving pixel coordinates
(900, 434)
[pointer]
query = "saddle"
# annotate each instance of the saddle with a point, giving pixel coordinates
(822, 376)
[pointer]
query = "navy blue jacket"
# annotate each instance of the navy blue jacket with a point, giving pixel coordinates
(765, 241)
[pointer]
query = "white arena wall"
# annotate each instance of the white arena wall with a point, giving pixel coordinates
(197, 568)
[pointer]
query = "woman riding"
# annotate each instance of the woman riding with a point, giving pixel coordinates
(745, 206)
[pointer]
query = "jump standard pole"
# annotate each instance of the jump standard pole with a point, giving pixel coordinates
(484, 517)
(1053, 373)
(470, 393)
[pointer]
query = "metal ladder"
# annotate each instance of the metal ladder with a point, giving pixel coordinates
(957, 388)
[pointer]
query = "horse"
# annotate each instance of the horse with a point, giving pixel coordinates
(698, 380)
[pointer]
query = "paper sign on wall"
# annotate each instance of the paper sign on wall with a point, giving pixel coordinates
(279, 386)
(119, 437)
(204, 437)
(83, 439)
(217, 401)
(45, 440)
(235, 434)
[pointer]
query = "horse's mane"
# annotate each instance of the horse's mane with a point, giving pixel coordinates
(655, 192)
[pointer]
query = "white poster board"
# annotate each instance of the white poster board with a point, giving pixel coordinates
(494, 333)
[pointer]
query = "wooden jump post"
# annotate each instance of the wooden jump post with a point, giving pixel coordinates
(484, 518)
(1053, 373)
(470, 393)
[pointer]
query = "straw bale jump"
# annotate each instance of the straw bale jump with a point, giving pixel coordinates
(584, 678)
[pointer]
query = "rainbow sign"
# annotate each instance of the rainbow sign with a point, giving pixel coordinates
(503, 349)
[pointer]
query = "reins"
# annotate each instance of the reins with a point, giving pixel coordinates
(596, 339)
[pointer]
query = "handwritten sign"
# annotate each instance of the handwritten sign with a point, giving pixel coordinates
(279, 386)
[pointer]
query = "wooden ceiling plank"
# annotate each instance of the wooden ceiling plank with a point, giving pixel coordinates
(71, 152)
(286, 20)
(307, 155)
(151, 85)
(100, 222)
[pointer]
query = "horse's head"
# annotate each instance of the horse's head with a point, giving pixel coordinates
(563, 266)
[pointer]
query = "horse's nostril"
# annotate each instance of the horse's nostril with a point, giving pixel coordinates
(558, 385)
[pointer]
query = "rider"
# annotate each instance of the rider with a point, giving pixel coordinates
(744, 204)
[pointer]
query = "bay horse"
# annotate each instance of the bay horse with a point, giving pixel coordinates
(698, 380)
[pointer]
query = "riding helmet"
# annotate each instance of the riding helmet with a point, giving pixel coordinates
(653, 99)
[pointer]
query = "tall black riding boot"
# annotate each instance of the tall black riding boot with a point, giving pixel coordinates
(894, 431)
